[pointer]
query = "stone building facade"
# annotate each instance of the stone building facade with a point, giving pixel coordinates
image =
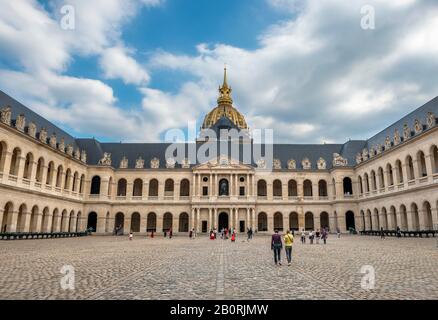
(50, 181)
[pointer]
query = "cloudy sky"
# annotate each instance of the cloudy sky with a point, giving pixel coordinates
(131, 69)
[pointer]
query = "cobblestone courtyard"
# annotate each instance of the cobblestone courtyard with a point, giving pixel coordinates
(115, 268)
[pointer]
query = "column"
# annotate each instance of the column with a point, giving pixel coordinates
(210, 217)
(47, 227)
(160, 222)
(44, 176)
(231, 179)
(215, 218)
(73, 222)
(416, 168)
(315, 191)
(194, 185)
(26, 225)
(410, 220)
(253, 220)
(129, 189)
(177, 189)
(429, 166)
(210, 188)
(317, 221)
(39, 218)
(236, 219)
(192, 219)
(198, 220)
(145, 190)
(248, 221)
(143, 222)
(285, 221)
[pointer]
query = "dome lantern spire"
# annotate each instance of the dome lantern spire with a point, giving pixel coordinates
(225, 92)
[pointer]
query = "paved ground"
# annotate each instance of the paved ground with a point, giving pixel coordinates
(115, 268)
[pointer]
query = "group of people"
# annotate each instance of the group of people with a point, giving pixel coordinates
(277, 246)
(314, 236)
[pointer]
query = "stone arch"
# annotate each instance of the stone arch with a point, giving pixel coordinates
(95, 185)
(75, 181)
(434, 158)
(15, 161)
(184, 190)
(348, 186)
(393, 218)
(153, 188)
(39, 170)
(7, 217)
(67, 179)
(3, 152)
(50, 173)
(33, 224)
(59, 176)
(322, 188)
(28, 165)
(410, 168)
(262, 221)
(45, 220)
(324, 220)
(169, 188)
(384, 221)
(167, 221)
(55, 219)
(390, 174)
(183, 225)
(421, 162)
(135, 222)
(72, 222)
(151, 225)
(373, 180)
(362, 218)
(367, 183)
(399, 170)
(278, 221)
(121, 187)
(376, 221)
(415, 217)
(79, 222)
(64, 221)
(119, 222)
(292, 188)
(360, 185)
(369, 220)
(261, 188)
(308, 221)
(350, 222)
(21, 218)
(427, 216)
(277, 188)
(137, 190)
(293, 221)
(307, 188)
(81, 184)
(403, 218)
(381, 178)
(92, 221)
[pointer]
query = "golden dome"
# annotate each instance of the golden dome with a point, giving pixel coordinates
(225, 108)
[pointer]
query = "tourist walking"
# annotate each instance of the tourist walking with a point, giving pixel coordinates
(311, 235)
(324, 235)
(276, 246)
(318, 235)
(288, 241)
(382, 233)
(130, 236)
(190, 234)
(303, 237)
(338, 232)
(398, 232)
(170, 233)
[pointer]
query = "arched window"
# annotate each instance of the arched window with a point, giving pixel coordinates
(168, 188)
(307, 188)
(434, 158)
(399, 170)
(95, 185)
(59, 177)
(75, 181)
(39, 170)
(3, 150)
(262, 222)
(381, 178)
(390, 174)
(121, 188)
(28, 166)
(421, 160)
(410, 168)
(261, 188)
(366, 183)
(50, 173)
(7, 217)
(292, 188)
(373, 180)
(153, 188)
(119, 223)
(137, 191)
(15, 162)
(184, 190)
(67, 179)
(277, 192)
(348, 186)
(278, 221)
(322, 188)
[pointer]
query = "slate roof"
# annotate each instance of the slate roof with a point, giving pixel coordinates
(283, 152)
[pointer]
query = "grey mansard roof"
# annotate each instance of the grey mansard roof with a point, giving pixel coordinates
(284, 152)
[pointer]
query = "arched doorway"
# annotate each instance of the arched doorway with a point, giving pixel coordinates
(223, 220)
(167, 221)
(278, 221)
(92, 221)
(151, 225)
(324, 220)
(293, 221)
(135, 222)
(119, 223)
(308, 221)
(183, 222)
(349, 221)
(262, 222)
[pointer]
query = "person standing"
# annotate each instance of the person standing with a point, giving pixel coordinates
(170, 233)
(276, 246)
(338, 232)
(311, 236)
(382, 233)
(190, 234)
(324, 235)
(130, 235)
(288, 241)
(398, 232)
(318, 235)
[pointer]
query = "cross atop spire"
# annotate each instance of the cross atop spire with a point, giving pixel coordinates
(225, 91)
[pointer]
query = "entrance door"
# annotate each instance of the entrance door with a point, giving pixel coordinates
(223, 221)
(242, 226)
(204, 226)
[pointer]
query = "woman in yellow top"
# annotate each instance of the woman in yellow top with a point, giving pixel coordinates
(288, 240)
